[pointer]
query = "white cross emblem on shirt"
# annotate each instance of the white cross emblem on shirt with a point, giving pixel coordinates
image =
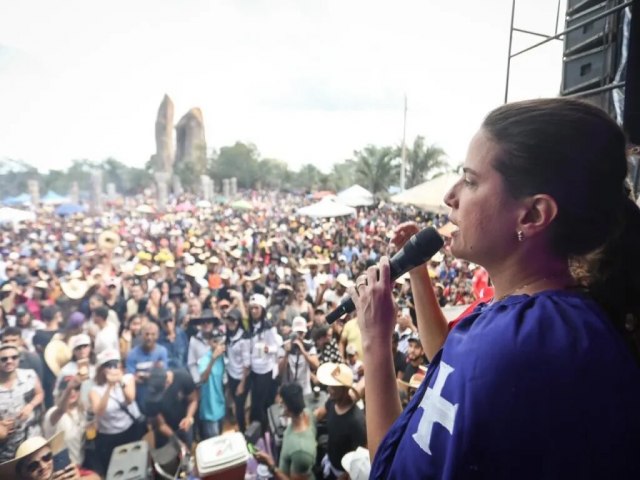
(435, 410)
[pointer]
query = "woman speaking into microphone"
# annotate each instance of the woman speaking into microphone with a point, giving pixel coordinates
(543, 380)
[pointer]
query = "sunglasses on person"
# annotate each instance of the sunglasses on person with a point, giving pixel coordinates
(63, 387)
(33, 467)
(10, 357)
(112, 364)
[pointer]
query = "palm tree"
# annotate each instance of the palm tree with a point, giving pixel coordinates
(342, 175)
(377, 168)
(424, 162)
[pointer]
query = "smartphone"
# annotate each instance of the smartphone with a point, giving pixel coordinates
(252, 448)
(61, 460)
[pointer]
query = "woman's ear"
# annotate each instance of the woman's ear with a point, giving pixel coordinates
(538, 213)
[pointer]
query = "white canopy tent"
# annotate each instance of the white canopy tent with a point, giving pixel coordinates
(429, 195)
(356, 196)
(14, 215)
(328, 207)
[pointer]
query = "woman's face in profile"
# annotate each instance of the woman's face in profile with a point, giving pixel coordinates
(484, 212)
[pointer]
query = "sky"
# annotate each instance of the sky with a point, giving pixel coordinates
(305, 81)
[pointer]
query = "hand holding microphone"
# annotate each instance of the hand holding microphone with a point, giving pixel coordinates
(416, 251)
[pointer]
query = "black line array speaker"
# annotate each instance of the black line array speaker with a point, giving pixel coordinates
(592, 52)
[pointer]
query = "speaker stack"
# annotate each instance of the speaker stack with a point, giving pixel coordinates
(591, 53)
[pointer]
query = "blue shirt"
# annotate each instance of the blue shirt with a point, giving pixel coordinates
(176, 350)
(140, 361)
(538, 386)
(212, 406)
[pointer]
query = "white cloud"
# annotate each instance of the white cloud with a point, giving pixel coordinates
(304, 81)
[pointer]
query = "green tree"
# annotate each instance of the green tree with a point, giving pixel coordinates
(310, 178)
(377, 168)
(424, 162)
(343, 175)
(274, 174)
(239, 160)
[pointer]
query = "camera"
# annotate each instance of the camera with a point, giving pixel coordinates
(295, 349)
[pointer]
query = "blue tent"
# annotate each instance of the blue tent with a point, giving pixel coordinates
(53, 198)
(24, 199)
(69, 209)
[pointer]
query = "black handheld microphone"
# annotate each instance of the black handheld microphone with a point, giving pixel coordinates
(418, 249)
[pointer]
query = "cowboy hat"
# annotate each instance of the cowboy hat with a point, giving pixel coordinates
(335, 375)
(140, 270)
(56, 355)
(26, 448)
(253, 276)
(343, 280)
(75, 288)
(108, 240)
(196, 270)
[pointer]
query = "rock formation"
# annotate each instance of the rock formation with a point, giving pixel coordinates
(190, 142)
(163, 158)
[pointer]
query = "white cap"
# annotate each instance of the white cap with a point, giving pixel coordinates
(107, 355)
(299, 324)
(258, 299)
(79, 341)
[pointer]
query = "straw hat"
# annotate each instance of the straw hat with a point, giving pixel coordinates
(196, 270)
(108, 240)
(343, 280)
(76, 274)
(253, 276)
(26, 448)
(335, 375)
(140, 270)
(226, 274)
(75, 288)
(57, 354)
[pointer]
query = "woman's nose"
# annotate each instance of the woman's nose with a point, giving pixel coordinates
(450, 198)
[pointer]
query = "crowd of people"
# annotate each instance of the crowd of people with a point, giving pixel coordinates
(178, 326)
(194, 321)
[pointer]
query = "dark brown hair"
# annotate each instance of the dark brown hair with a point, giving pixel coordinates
(576, 153)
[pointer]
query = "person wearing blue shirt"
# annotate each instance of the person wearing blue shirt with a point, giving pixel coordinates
(175, 340)
(143, 358)
(543, 380)
(212, 402)
(350, 250)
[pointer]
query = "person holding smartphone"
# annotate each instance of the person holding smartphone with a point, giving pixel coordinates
(212, 402)
(113, 403)
(68, 416)
(40, 459)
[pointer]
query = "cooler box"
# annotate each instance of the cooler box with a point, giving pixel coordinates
(223, 457)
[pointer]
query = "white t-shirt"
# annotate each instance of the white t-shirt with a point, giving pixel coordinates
(300, 371)
(106, 338)
(115, 419)
(238, 355)
(73, 423)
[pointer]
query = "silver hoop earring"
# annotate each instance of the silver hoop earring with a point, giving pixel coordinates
(520, 235)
